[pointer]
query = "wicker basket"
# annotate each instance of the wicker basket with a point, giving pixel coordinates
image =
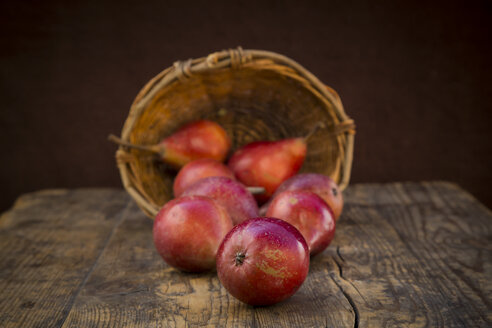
(254, 95)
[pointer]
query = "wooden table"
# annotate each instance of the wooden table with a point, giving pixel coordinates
(404, 255)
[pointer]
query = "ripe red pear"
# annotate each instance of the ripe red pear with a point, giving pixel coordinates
(268, 163)
(263, 261)
(188, 231)
(309, 214)
(199, 169)
(231, 194)
(195, 140)
(320, 184)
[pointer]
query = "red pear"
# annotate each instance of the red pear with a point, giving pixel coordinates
(268, 163)
(229, 193)
(320, 184)
(188, 231)
(198, 139)
(199, 169)
(309, 214)
(263, 261)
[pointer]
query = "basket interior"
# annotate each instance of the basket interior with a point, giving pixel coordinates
(250, 104)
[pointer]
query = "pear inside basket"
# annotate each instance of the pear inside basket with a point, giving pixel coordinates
(266, 97)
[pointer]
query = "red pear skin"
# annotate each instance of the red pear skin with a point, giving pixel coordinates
(320, 184)
(229, 193)
(199, 169)
(263, 261)
(200, 139)
(195, 140)
(309, 214)
(268, 163)
(188, 231)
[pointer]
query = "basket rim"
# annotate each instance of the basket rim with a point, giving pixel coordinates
(231, 58)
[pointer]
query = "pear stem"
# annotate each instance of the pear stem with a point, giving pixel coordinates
(313, 130)
(121, 142)
(256, 190)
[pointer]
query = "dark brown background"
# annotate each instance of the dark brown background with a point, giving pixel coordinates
(415, 76)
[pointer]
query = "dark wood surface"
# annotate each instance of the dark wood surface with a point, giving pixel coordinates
(405, 254)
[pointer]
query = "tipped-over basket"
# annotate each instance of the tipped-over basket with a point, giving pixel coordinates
(253, 95)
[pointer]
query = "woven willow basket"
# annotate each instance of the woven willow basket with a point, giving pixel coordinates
(253, 95)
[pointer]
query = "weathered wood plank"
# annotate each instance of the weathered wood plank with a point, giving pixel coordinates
(416, 254)
(404, 255)
(49, 243)
(131, 286)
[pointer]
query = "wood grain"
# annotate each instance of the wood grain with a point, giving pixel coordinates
(132, 286)
(416, 254)
(49, 243)
(412, 254)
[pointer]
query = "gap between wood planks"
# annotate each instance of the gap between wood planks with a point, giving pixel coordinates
(87, 276)
(344, 292)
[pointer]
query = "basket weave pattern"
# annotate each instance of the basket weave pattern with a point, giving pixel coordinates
(253, 95)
